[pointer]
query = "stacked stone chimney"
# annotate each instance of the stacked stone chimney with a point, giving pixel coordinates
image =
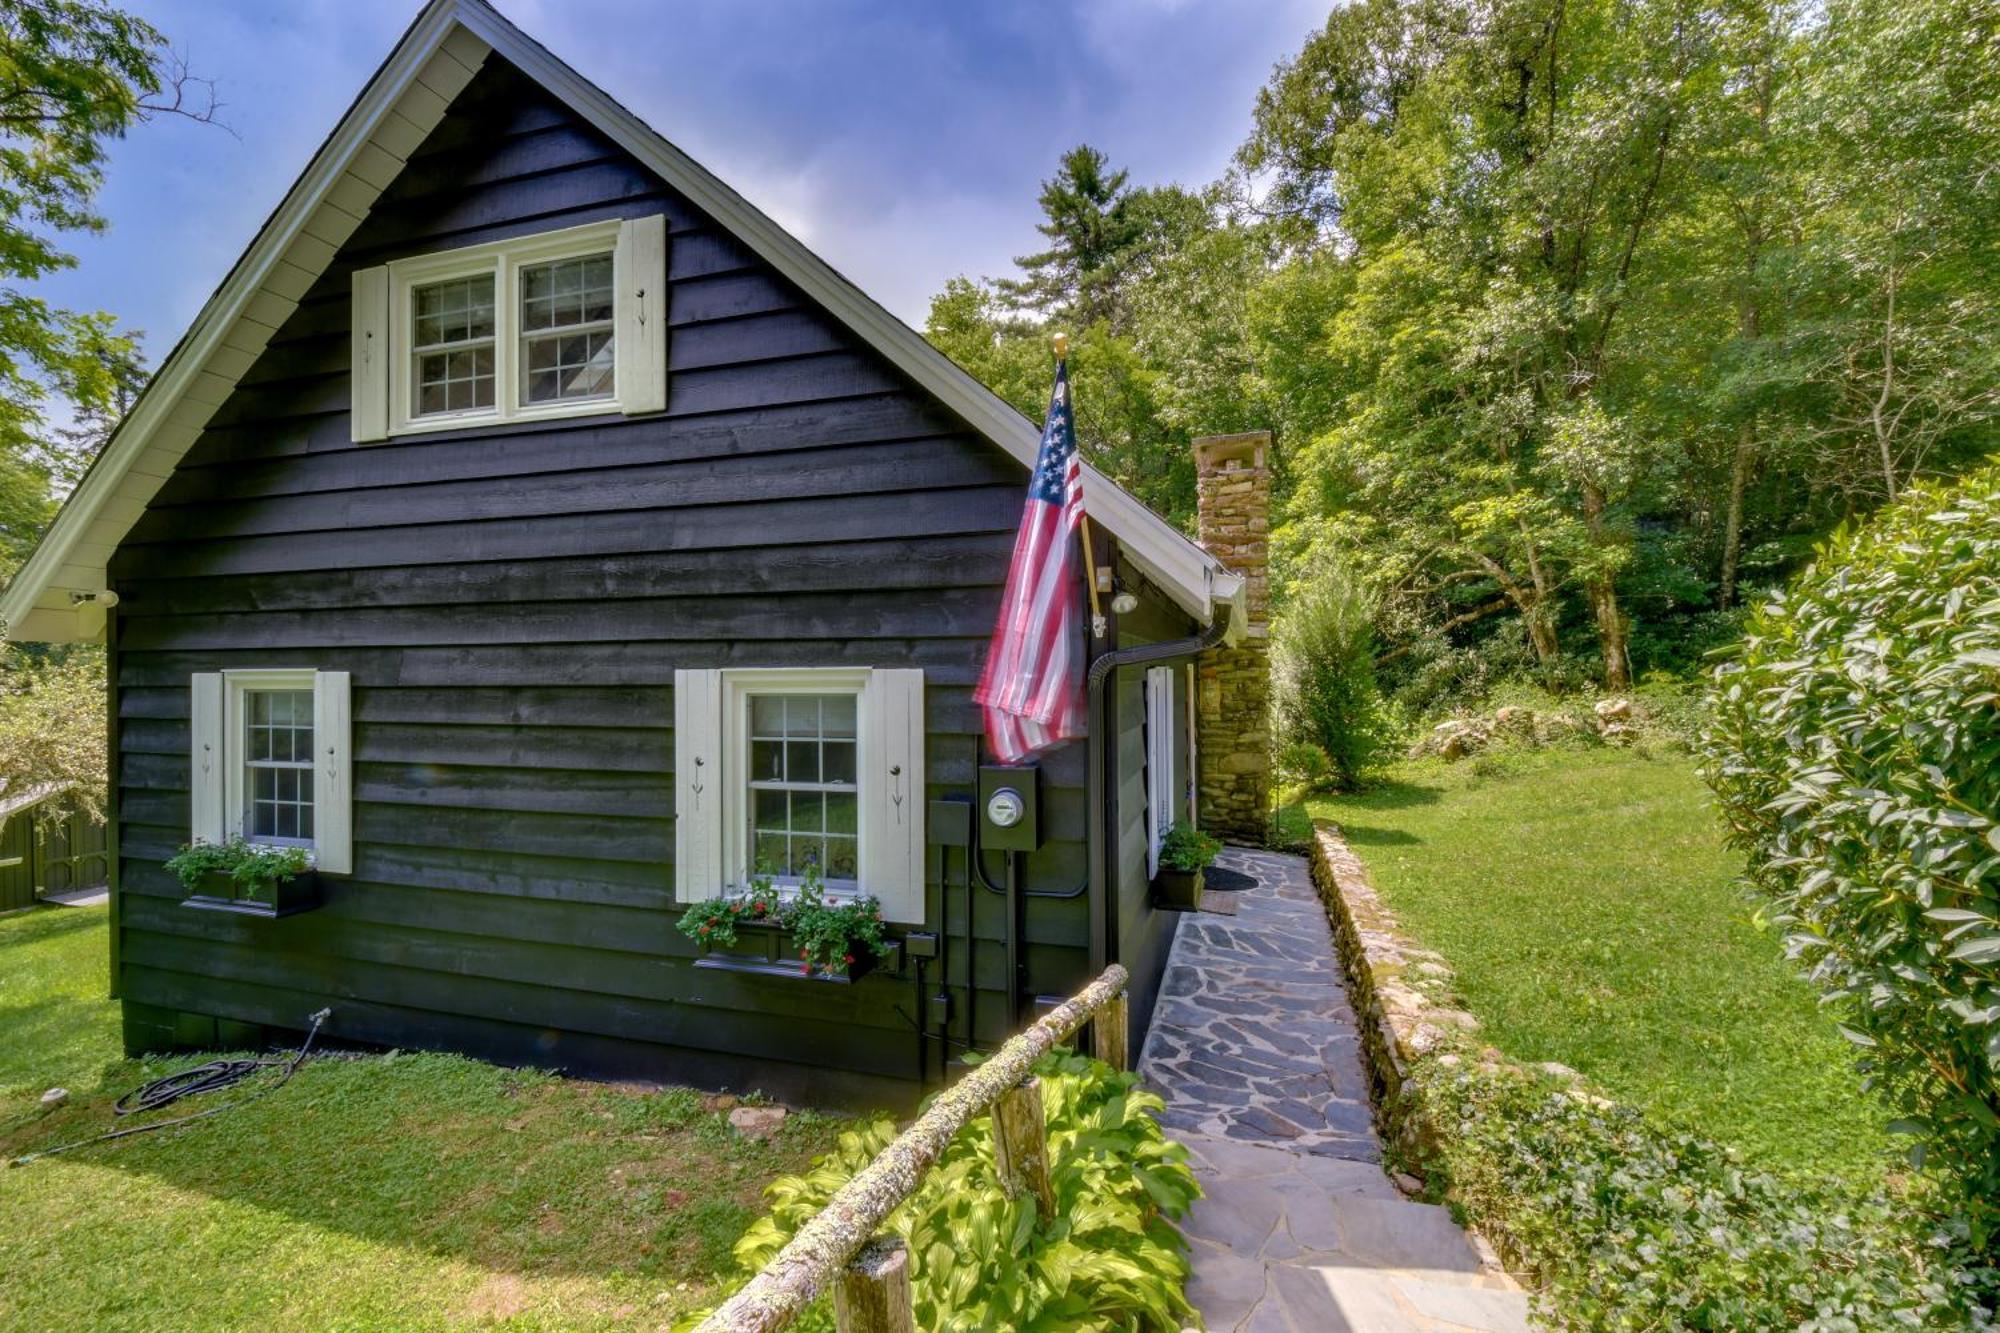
(1233, 742)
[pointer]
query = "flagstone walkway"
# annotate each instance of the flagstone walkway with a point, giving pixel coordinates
(1256, 1050)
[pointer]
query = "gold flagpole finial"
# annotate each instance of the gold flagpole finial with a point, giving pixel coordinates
(1061, 344)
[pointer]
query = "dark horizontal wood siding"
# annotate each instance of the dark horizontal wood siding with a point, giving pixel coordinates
(1145, 935)
(512, 604)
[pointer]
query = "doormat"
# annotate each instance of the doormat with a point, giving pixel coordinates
(1222, 904)
(1226, 880)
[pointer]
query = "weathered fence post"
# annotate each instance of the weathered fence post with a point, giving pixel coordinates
(1021, 1145)
(873, 1294)
(816, 1254)
(1108, 1032)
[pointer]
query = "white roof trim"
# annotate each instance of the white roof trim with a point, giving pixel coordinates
(358, 159)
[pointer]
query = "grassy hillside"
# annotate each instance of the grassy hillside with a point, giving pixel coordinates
(410, 1191)
(1593, 916)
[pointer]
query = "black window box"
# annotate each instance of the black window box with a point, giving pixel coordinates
(217, 892)
(768, 951)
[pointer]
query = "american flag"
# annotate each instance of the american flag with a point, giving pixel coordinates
(1032, 688)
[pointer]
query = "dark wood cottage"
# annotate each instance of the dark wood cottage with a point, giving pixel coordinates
(518, 475)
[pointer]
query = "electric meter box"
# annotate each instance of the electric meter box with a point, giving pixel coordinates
(1010, 808)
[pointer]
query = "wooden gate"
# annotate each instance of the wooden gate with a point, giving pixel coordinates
(38, 859)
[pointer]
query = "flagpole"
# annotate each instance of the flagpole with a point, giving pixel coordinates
(1097, 623)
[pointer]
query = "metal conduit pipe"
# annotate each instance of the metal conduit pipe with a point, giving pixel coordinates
(1103, 846)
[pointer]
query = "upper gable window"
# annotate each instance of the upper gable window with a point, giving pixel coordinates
(565, 323)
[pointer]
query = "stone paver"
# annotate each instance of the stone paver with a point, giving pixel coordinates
(1255, 1049)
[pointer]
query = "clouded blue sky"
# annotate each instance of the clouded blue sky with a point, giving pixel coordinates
(902, 139)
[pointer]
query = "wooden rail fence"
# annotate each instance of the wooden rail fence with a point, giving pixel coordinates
(870, 1274)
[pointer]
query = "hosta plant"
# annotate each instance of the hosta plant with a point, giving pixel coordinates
(1855, 751)
(979, 1260)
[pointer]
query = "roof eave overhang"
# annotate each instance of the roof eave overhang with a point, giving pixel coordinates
(52, 597)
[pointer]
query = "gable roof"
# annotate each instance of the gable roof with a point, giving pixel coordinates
(56, 596)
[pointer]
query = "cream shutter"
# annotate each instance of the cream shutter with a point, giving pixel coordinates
(639, 314)
(893, 794)
(1159, 761)
(333, 775)
(698, 789)
(368, 408)
(205, 774)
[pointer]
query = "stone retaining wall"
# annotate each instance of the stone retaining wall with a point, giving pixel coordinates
(1401, 992)
(1404, 999)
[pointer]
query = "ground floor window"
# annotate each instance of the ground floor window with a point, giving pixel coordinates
(804, 793)
(270, 763)
(790, 771)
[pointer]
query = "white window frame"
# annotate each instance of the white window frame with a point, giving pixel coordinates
(237, 688)
(712, 801)
(219, 758)
(1162, 801)
(503, 260)
(737, 689)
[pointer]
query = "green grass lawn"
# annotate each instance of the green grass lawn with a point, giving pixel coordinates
(1594, 917)
(408, 1191)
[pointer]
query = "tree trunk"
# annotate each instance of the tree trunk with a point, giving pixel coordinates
(1531, 599)
(1613, 633)
(1539, 613)
(1732, 522)
(1877, 413)
(1542, 634)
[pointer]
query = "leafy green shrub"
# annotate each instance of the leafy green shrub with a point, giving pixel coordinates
(979, 1260)
(1304, 765)
(1627, 1225)
(1187, 848)
(1856, 754)
(1323, 674)
(1672, 708)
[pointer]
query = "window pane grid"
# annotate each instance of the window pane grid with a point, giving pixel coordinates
(453, 333)
(278, 759)
(804, 800)
(566, 347)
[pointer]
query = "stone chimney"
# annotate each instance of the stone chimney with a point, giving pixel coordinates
(1233, 741)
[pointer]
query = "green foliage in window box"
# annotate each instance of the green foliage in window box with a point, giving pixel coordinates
(1630, 1225)
(1108, 1259)
(1855, 751)
(277, 878)
(1187, 848)
(830, 938)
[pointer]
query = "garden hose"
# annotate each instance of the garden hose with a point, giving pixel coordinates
(211, 1077)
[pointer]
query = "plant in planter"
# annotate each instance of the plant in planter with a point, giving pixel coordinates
(831, 940)
(1184, 853)
(246, 876)
(713, 924)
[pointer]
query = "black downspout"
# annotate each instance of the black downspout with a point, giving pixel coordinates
(1103, 874)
